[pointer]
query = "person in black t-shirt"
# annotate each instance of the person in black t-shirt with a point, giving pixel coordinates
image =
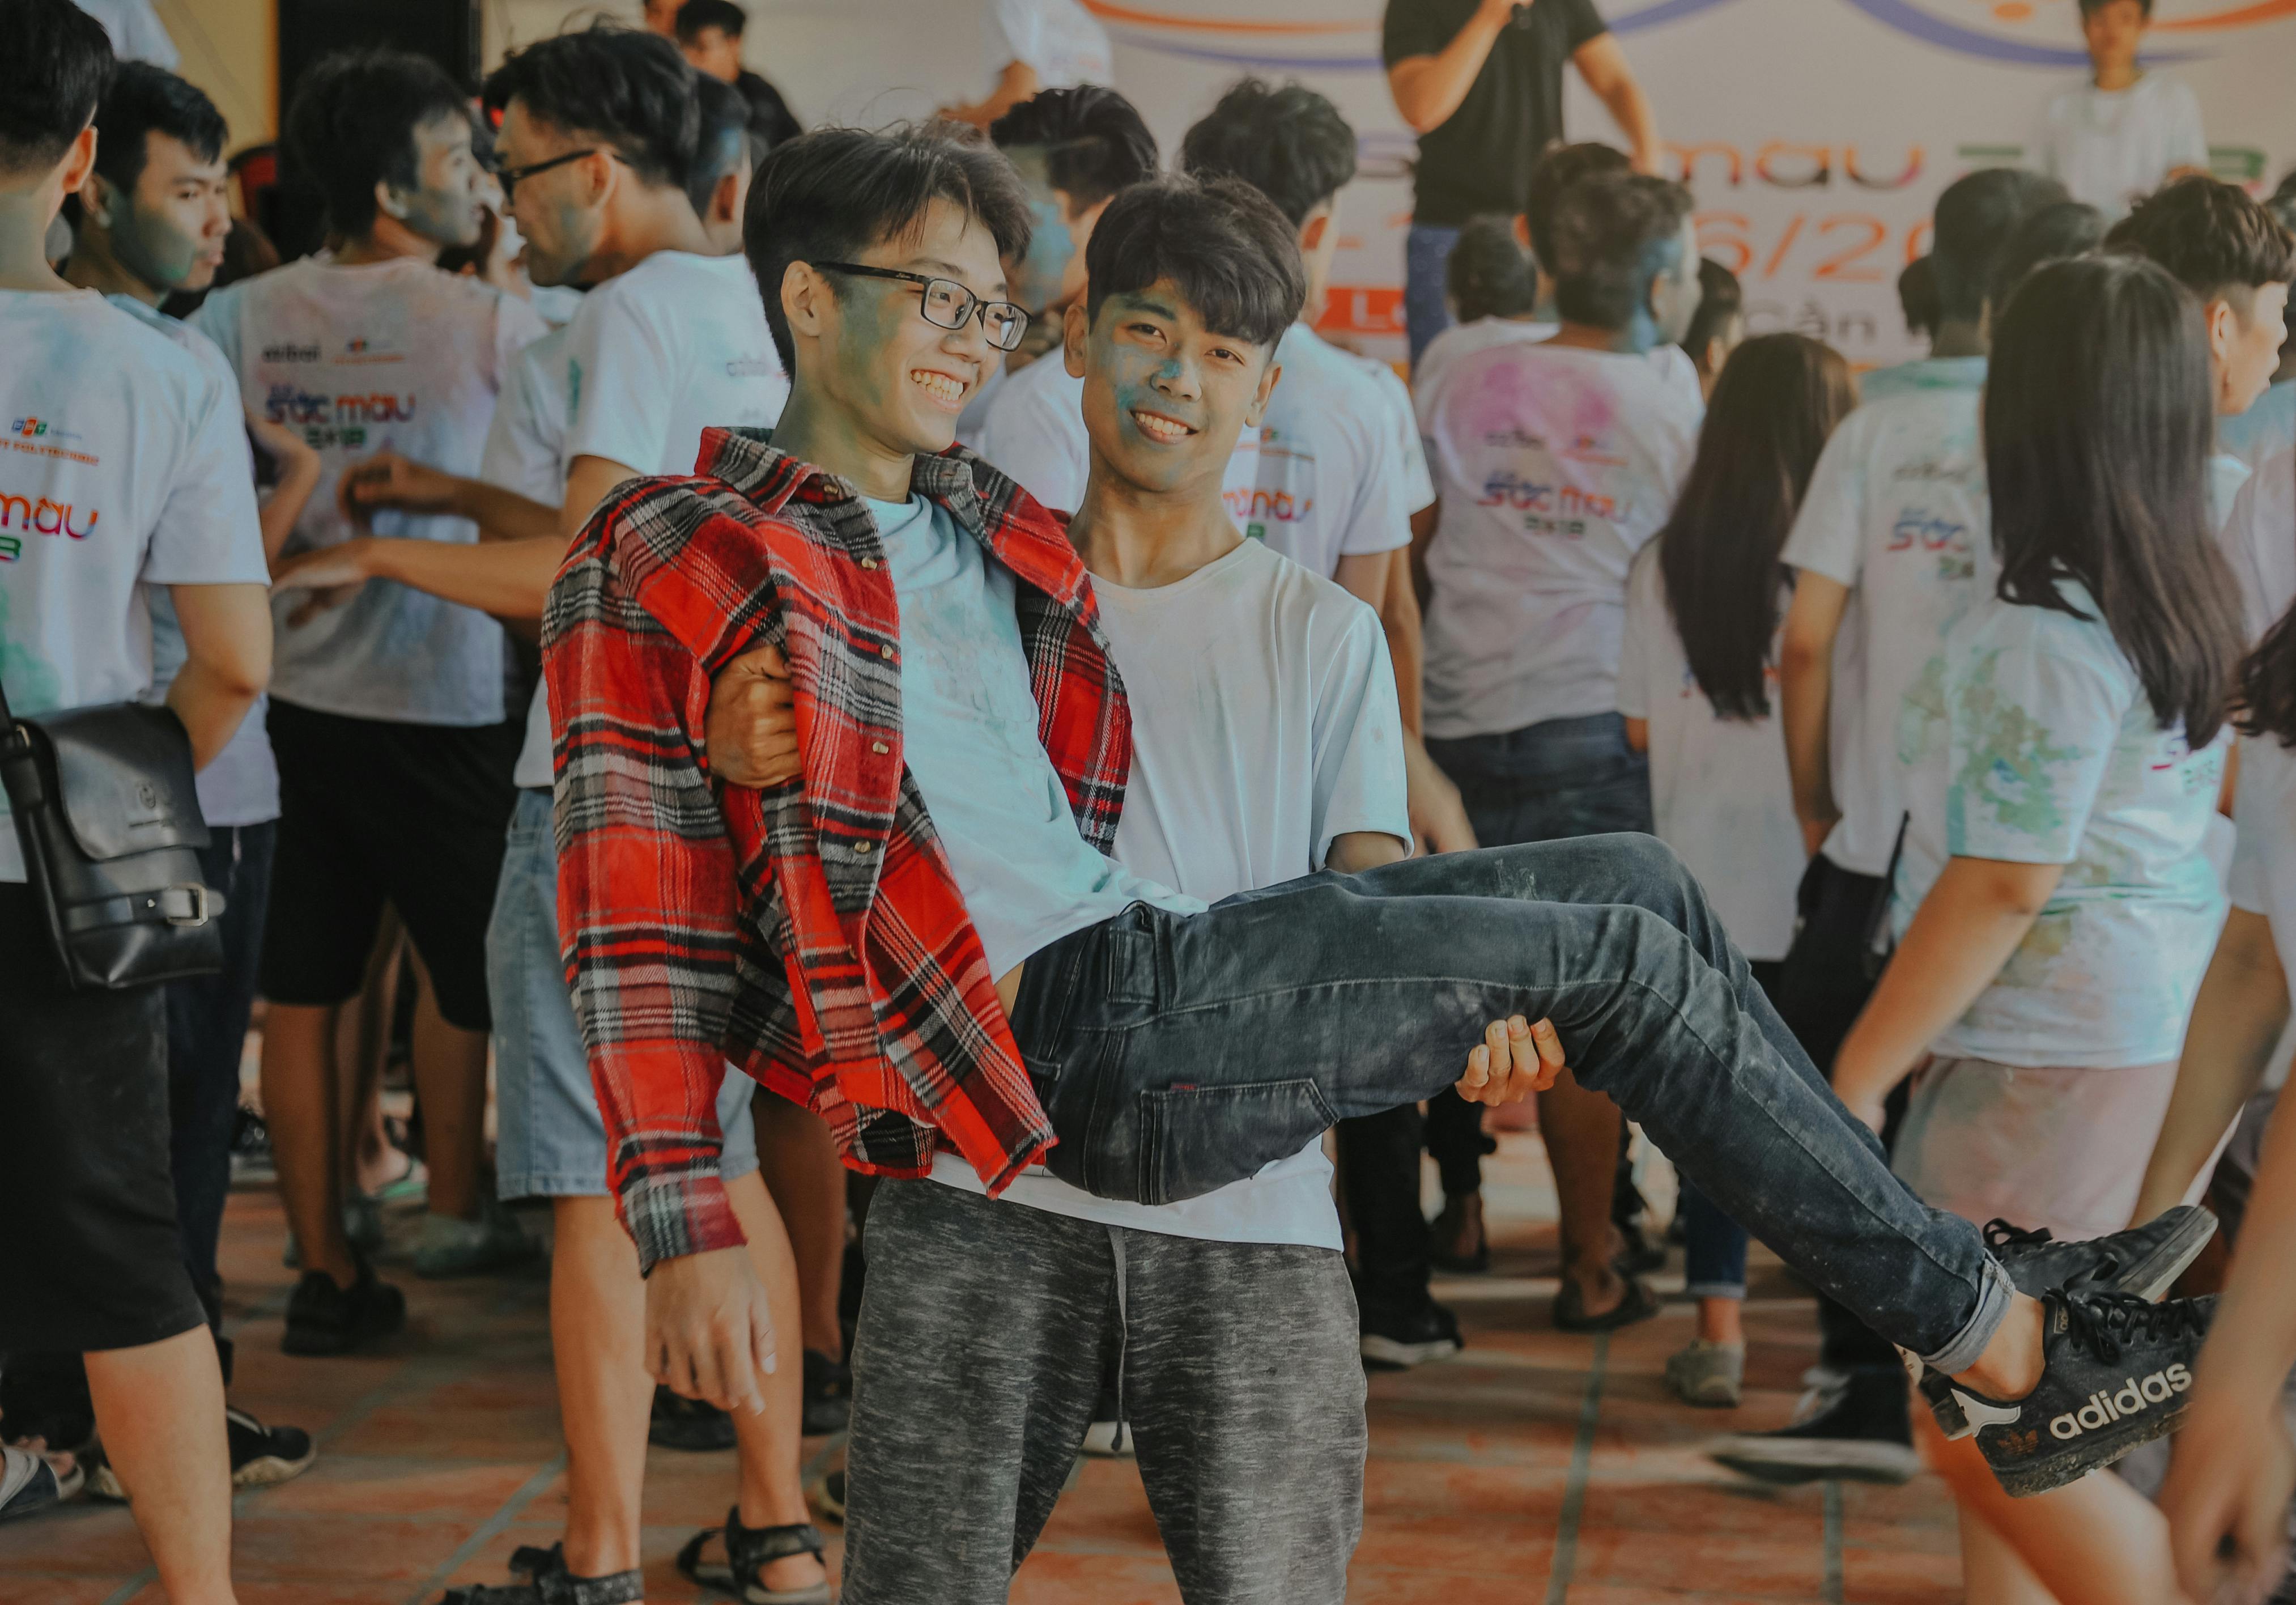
(1480, 82)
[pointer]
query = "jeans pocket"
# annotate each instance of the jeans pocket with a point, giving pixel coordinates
(1196, 1140)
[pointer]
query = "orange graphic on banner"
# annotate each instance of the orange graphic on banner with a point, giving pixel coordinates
(1362, 310)
(1146, 19)
(2263, 11)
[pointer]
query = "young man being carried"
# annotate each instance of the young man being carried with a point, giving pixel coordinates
(922, 933)
(387, 715)
(669, 337)
(1892, 541)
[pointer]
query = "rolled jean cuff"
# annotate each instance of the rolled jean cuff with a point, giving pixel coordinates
(1994, 1295)
(1715, 1289)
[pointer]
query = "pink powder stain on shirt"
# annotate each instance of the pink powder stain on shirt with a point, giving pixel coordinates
(1518, 391)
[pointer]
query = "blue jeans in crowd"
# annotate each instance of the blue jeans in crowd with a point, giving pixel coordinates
(1176, 1053)
(1713, 1245)
(1426, 263)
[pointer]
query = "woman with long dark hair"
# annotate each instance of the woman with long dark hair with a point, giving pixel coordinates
(2055, 906)
(1696, 683)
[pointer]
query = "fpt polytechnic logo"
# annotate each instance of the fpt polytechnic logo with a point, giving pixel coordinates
(39, 429)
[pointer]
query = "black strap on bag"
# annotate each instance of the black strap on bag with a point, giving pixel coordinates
(1880, 945)
(109, 817)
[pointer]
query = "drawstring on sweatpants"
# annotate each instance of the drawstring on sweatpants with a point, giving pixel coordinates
(1123, 1337)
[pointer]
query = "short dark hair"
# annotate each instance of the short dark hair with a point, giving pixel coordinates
(1289, 142)
(723, 141)
(834, 192)
(63, 60)
(351, 126)
(2220, 242)
(1721, 299)
(1608, 232)
(1558, 168)
(143, 99)
(2099, 419)
(696, 15)
(2070, 228)
(624, 86)
(2086, 6)
(1917, 297)
(1094, 141)
(1222, 240)
(1976, 217)
(1489, 274)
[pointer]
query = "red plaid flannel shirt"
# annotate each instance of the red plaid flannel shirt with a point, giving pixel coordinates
(813, 935)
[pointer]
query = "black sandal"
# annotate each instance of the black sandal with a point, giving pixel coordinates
(1640, 1303)
(748, 1551)
(549, 1583)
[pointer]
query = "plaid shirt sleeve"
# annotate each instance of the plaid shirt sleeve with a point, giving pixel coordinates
(651, 598)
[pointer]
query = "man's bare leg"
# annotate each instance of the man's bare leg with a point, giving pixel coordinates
(1582, 1130)
(771, 1492)
(300, 1109)
(798, 1159)
(450, 1078)
(597, 1333)
(159, 1406)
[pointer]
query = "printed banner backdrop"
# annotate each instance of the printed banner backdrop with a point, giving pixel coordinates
(1815, 133)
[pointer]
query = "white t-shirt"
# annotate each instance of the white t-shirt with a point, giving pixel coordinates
(125, 467)
(1332, 482)
(1897, 510)
(1556, 466)
(1034, 432)
(2263, 877)
(1720, 788)
(2110, 150)
(397, 356)
(2265, 430)
(1057, 38)
(676, 345)
(2260, 542)
(2031, 741)
(526, 452)
(2226, 475)
(1306, 745)
(241, 785)
(1429, 373)
(136, 36)
(1418, 483)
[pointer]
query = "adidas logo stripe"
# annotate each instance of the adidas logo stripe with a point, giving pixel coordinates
(2132, 1397)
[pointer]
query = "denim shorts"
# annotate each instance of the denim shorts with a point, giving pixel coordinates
(550, 1141)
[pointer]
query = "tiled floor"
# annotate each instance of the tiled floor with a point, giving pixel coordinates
(1535, 1467)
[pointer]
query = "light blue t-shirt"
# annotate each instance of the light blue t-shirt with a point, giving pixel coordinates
(2265, 430)
(969, 731)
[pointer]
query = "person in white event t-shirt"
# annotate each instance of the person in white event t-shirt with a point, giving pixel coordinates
(1027, 46)
(125, 471)
(153, 219)
(671, 340)
(387, 709)
(1698, 688)
(137, 33)
(2118, 136)
(1554, 464)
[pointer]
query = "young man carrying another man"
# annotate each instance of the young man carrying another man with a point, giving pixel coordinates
(920, 932)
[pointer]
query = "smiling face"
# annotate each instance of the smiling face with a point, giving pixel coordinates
(2247, 349)
(445, 203)
(169, 231)
(1164, 397)
(865, 345)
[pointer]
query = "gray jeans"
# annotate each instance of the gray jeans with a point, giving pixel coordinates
(983, 1337)
(1177, 1053)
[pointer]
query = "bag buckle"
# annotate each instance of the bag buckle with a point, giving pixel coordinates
(204, 905)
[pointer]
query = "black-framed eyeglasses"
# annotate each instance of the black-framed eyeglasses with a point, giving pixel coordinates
(949, 305)
(510, 178)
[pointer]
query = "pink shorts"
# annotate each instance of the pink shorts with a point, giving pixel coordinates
(2060, 1148)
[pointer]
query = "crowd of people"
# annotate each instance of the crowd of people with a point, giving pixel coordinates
(891, 685)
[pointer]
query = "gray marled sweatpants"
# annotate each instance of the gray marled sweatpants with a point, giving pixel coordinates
(983, 1335)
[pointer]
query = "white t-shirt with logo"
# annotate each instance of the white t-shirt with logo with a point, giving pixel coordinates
(241, 783)
(1430, 373)
(526, 452)
(676, 345)
(1897, 510)
(2265, 430)
(1555, 466)
(1306, 747)
(2111, 148)
(1720, 788)
(1033, 431)
(397, 356)
(1333, 482)
(1058, 38)
(2263, 876)
(2260, 542)
(125, 467)
(2031, 741)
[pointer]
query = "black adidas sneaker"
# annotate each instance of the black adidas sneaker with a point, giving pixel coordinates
(2143, 1261)
(2116, 1374)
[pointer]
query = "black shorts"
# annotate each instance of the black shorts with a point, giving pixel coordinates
(371, 811)
(89, 1254)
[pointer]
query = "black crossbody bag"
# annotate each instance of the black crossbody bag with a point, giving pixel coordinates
(105, 809)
